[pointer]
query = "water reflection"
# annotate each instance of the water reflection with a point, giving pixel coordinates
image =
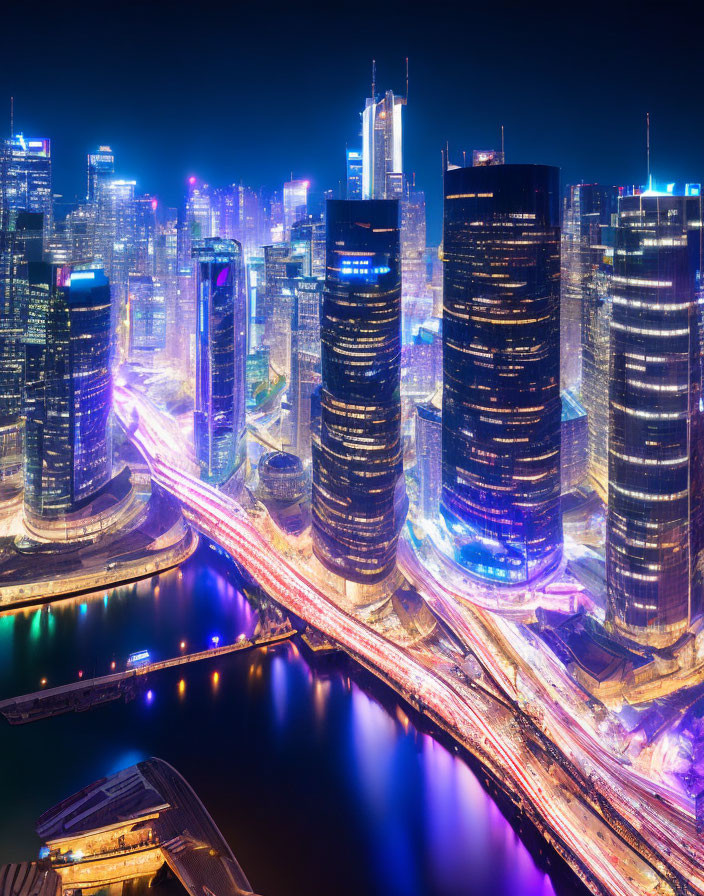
(318, 786)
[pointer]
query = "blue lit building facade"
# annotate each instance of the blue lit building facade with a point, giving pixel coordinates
(25, 178)
(221, 355)
(501, 369)
(69, 393)
(354, 173)
(147, 317)
(655, 528)
(359, 498)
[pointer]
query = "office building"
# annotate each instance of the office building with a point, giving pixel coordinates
(20, 249)
(382, 147)
(295, 203)
(354, 173)
(654, 523)
(69, 391)
(573, 448)
(101, 167)
(429, 457)
(587, 209)
(359, 499)
(305, 361)
(501, 360)
(25, 180)
(146, 301)
(221, 350)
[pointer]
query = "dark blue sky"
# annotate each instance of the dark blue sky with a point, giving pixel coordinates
(232, 94)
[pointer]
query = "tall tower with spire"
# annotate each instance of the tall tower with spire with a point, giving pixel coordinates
(382, 143)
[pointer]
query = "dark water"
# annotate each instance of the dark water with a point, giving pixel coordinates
(313, 771)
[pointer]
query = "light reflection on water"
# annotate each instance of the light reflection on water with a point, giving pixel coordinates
(318, 786)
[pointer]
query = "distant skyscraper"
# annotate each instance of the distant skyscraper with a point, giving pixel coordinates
(309, 233)
(359, 500)
(295, 203)
(101, 166)
(573, 448)
(429, 458)
(382, 147)
(413, 270)
(656, 449)
(115, 237)
(501, 378)
(147, 322)
(354, 173)
(221, 355)
(305, 361)
(19, 248)
(587, 209)
(25, 179)
(69, 390)
(199, 212)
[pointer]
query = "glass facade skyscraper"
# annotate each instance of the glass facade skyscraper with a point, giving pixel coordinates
(359, 498)
(69, 392)
(147, 316)
(101, 166)
(354, 174)
(25, 178)
(382, 147)
(587, 209)
(305, 361)
(654, 524)
(501, 367)
(221, 357)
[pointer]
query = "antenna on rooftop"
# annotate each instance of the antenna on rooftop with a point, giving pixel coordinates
(406, 78)
(647, 146)
(12, 116)
(373, 79)
(502, 142)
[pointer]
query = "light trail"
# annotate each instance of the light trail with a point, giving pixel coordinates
(223, 520)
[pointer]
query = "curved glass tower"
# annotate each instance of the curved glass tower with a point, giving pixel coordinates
(221, 357)
(69, 396)
(359, 498)
(654, 523)
(501, 369)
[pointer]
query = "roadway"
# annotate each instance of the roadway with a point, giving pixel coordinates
(578, 831)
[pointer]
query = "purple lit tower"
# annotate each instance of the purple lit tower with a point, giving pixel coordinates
(221, 333)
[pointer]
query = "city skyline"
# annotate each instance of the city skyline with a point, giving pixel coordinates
(314, 388)
(558, 115)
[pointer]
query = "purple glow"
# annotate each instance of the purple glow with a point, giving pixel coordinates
(222, 277)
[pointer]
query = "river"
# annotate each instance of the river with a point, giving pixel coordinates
(319, 777)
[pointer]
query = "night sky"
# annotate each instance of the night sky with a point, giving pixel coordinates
(252, 93)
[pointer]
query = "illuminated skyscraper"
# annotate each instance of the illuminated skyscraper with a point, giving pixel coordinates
(199, 212)
(656, 451)
(309, 234)
(305, 361)
(587, 209)
(115, 235)
(573, 448)
(295, 203)
(359, 499)
(429, 458)
(221, 355)
(501, 360)
(382, 147)
(354, 173)
(69, 391)
(101, 166)
(25, 179)
(147, 317)
(19, 248)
